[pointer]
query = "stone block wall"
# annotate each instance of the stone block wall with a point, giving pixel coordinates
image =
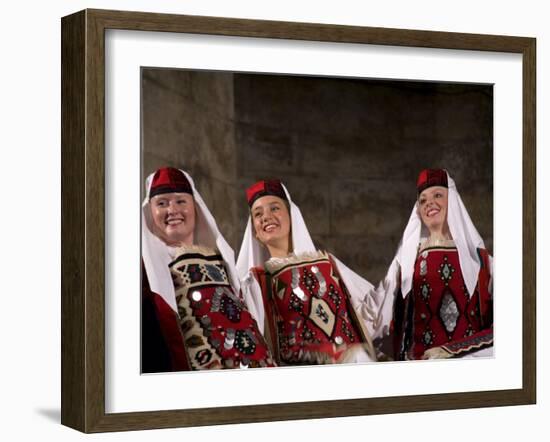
(348, 150)
(187, 122)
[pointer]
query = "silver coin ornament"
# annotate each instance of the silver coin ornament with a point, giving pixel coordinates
(423, 267)
(300, 293)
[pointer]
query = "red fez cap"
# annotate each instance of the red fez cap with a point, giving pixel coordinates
(263, 188)
(169, 180)
(431, 177)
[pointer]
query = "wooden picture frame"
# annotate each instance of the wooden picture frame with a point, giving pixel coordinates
(83, 219)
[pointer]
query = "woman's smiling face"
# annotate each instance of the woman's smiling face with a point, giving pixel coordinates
(174, 218)
(271, 220)
(432, 206)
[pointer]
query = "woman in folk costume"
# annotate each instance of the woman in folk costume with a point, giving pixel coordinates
(310, 305)
(440, 279)
(193, 315)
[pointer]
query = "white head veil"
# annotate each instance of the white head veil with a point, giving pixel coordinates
(254, 254)
(156, 254)
(463, 232)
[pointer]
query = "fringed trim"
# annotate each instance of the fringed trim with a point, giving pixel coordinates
(275, 264)
(347, 356)
(434, 244)
(308, 357)
(350, 354)
(202, 250)
(470, 345)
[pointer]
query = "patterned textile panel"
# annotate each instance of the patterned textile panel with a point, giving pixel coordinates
(218, 330)
(315, 324)
(443, 310)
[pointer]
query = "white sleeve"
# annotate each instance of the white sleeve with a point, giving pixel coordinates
(365, 298)
(384, 297)
(252, 295)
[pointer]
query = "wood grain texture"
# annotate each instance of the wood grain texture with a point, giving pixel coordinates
(95, 222)
(307, 410)
(73, 212)
(83, 218)
(529, 221)
(307, 31)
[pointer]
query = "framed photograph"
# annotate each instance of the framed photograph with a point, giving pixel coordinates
(346, 117)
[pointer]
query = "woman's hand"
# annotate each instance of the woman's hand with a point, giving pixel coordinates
(436, 353)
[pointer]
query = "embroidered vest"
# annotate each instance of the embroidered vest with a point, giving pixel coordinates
(440, 312)
(314, 320)
(218, 330)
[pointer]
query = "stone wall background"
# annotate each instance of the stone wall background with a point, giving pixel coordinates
(348, 150)
(188, 122)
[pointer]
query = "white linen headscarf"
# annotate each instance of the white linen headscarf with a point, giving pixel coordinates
(254, 254)
(466, 239)
(157, 255)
